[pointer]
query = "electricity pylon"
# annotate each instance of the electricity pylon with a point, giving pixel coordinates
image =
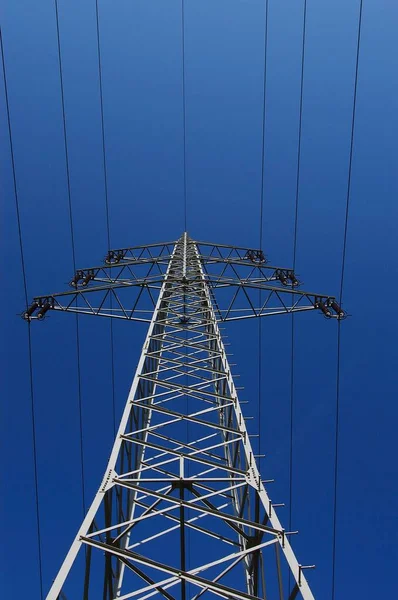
(182, 510)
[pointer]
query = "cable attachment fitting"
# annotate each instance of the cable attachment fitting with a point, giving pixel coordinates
(74, 282)
(293, 279)
(330, 308)
(287, 277)
(256, 256)
(82, 278)
(40, 307)
(114, 256)
(87, 278)
(324, 308)
(337, 309)
(30, 310)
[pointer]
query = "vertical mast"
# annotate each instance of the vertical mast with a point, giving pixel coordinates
(182, 511)
(181, 465)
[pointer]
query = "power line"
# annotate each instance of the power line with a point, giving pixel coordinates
(185, 190)
(336, 447)
(112, 374)
(299, 132)
(292, 337)
(13, 171)
(261, 222)
(354, 104)
(102, 124)
(348, 198)
(32, 411)
(294, 259)
(80, 408)
(184, 111)
(29, 338)
(65, 136)
(105, 168)
(263, 121)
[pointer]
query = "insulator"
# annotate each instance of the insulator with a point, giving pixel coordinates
(29, 312)
(260, 256)
(293, 279)
(324, 309)
(282, 278)
(43, 309)
(337, 308)
(114, 257)
(75, 280)
(87, 279)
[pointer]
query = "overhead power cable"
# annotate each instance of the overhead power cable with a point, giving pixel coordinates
(104, 162)
(264, 110)
(292, 336)
(184, 112)
(299, 133)
(29, 337)
(80, 408)
(348, 198)
(297, 193)
(185, 204)
(263, 121)
(108, 229)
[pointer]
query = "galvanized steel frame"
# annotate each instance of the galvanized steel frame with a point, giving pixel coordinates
(232, 273)
(205, 480)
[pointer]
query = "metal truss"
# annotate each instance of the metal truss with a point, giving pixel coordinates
(182, 511)
(127, 285)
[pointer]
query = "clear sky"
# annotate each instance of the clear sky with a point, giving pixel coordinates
(142, 97)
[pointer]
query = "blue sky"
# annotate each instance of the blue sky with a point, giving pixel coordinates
(142, 94)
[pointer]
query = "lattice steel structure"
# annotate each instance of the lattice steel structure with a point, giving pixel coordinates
(182, 511)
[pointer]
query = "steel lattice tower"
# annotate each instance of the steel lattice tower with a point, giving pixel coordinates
(182, 511)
